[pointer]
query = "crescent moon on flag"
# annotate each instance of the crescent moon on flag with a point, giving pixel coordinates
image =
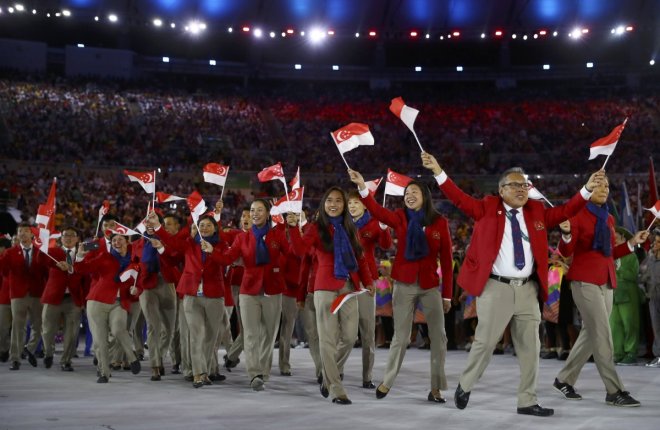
(295, 194)
(343, 135)
(147, 177)
(120, 229)
(391, 177)
(222, 170)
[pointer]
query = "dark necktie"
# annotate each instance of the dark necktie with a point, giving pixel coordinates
(68, 257)
(27, 258)
(518, 253)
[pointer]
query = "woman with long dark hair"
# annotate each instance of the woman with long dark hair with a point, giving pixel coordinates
(423, 238)
(341, 269)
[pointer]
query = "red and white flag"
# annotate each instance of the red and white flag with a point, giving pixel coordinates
(146, 179)
(293, 204)
(42, 241)
(276, 219)
(295, 182)
(405, 113)
(271, 173)
(396, 183)
(104, 209)
(166, 198)
(351, 136)
(46, 211)
(605, 145)
(196, 205)
(372, 186)
(132, 271)
(655, 209)
(339, 301)
(215, 173)
(123, 230)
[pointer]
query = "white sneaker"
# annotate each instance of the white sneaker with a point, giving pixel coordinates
(654, 363)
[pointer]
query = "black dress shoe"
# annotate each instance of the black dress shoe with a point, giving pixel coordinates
(31, 358)
(48, 362)
(95, 361)
(135, 367)
(197, 384)
(161, 370)
(285, 373)
(188, 378)
(319, 379)
(217, 377)
(115, 366)
(39, 354)
(4, 357)
(66, 367)
(381, 394)
(15, 365)
(536, 410)
(342, 401)
(176, 369)
(563, 356)
(550, 355)
(155, 377)
(368, 385)
(461, 398)
(324, 391)
(229, 364)
(207, 381)
(438, 399)
(102, 380)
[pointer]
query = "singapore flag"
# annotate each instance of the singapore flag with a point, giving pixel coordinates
(351, 136)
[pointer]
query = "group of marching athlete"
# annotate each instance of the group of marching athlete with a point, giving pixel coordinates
(186, 277)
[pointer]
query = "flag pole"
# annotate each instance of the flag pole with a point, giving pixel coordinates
(48, 255)
(551, 205)
(650, 225)
(98, 225)
(384, 197)
(417, 139)
(154, 198)
(342, 157)
(607, 158)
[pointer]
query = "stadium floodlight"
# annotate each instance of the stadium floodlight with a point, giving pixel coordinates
(96, 18)
(81, 45)
(34, 11)
(297, 66)
(372, 33)
(335, 67)
(536, 36)
(166, 59)
(272, 34)
(302, 33)
(546, 67)
(459, 68)
(10, 9)
(428, 36)
(212, 62)
(630, 28)
(652, 62)
(514, 36)
(525, 37)
(316, 35)
(195, 27)
(66, 12)
(19, 7)
(258, 33)
(230, 30)
(331, 32)
(113, 18)
(418, 68)
(483, 35)
(290, 31)
(157, 22)
(543, 32)
(590, 65)
(173, 25)
(357, 34)
(498, 33)
(456, 33)
(413, 33)
(555, 33)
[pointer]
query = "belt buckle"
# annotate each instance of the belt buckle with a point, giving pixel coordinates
(517, 282)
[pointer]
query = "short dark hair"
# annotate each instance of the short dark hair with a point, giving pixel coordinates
(109, 217)
(70, 228)
(24, 224)
(5, 243)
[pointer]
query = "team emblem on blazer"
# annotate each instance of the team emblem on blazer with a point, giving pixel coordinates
(538, 225)
(367, 234)
(436, 235)
(275, 245)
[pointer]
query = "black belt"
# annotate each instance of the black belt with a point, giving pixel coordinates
(516, 282)
(66, 295)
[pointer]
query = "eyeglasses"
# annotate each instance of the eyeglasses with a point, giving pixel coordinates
(517, 185)
(69, 235)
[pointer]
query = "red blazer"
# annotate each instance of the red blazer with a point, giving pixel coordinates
(266, 278)
(424, 271)
(24, 281)
(59, 281)
(106, 267)
(370, 236)
(589, 265)
(325, 278)
(169, 268)
(195, 270)
(489, 215)
(4, 290)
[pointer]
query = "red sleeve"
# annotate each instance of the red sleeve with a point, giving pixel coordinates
(474, 208)
(302, 244)
(446, 263)
(384, 239)
(383, 215)
(364, 271)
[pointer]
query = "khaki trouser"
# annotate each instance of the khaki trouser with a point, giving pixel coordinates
(22, 309)
(224, 338)
(51, 316)
(203, 318)
(496, 306)
(337, 335)
(133, 317)
(5, 328)
(105, 319)
(261, 318)
(237, 346)
(312, 333)
(184, 332)
(367, 326)
(175, 348)
(404, 300)
(289, 314)
(159, 308)
(595, 305)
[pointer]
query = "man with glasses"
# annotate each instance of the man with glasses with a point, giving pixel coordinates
(506, 268)
(63, 299)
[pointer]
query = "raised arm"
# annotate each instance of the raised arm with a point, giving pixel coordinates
(380, 213)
